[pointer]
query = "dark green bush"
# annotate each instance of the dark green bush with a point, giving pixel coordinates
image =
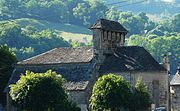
(40, 92)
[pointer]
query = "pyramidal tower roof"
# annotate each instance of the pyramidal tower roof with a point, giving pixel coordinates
(109, 25)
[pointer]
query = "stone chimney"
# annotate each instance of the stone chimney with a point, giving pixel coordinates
(166, 62)
(107, 35)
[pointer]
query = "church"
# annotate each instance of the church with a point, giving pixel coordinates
(82, 66)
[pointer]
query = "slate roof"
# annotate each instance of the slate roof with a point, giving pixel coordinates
(77, 77)
(130, 58)
(176, 79)
(61, 55)
(108, 25)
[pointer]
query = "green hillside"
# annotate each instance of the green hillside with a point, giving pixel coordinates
(159, 8)
(67, 31)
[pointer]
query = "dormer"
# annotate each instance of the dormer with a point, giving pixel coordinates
(107, 36)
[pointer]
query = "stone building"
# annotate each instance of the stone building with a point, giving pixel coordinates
(82, 66)
(175, 91)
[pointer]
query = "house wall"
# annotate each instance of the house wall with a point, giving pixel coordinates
(79, 97)
(9, 106)
(175, 98)
(157, 82)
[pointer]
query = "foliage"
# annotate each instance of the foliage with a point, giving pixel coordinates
(137, 40)
(141, 97)
(82, 13)
(88, 12)
(135, 24)
(7, 59)
(79, 44)
(68, 11)
(175, 23)
(159, 9)
(40, 91)
(111, 93)
(29, 41)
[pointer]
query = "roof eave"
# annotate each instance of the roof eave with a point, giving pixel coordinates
(110, 30)
(52, 63)
(175, 84)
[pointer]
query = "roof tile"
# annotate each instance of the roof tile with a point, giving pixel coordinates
(61, 55)
(130, 58)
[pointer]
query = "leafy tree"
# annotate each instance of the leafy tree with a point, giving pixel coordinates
(89, 11)
(135, 24)
(141, 97)
(111, 93)
(10, 33)
(41, 92)
(175, 22)
(55, 9)
(7, 58)
(113, 14)
(137, 40)
(29, 41)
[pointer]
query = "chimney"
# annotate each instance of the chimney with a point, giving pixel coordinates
(166, 62)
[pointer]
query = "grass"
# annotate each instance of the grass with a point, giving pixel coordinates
(67, 31)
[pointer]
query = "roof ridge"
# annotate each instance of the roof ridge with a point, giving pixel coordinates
(80, 47)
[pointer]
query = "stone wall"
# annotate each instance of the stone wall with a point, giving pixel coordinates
(157, 83)
(79, 97)
(175, 98)
(106, 41)
(1, 108)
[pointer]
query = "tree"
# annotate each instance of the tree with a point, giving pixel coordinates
(7, 58)
(89, 11)
(29, 41)
(136, 40)
(141, 97)
(111, 92)
(41, 92)
(175, 22)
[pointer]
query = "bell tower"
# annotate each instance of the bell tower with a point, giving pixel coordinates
(107, 36)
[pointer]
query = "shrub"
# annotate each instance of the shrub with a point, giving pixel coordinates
(40, 92)
(111, 92)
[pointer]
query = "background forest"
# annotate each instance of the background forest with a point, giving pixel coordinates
(30, 27)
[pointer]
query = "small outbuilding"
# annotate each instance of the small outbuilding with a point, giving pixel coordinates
(175, 91)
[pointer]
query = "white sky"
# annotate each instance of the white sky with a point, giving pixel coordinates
(171, 1)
